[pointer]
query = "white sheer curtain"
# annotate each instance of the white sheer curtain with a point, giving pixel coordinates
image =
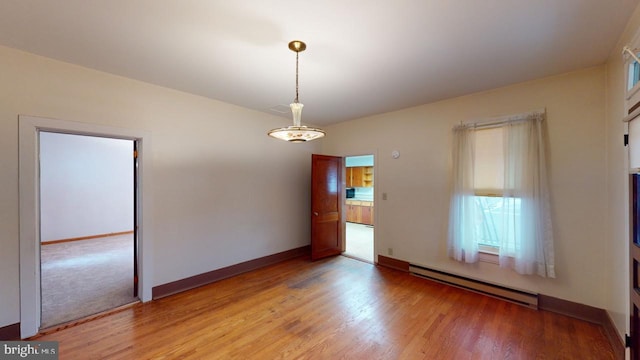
(462, 242)
(523, 225)
(527, 241)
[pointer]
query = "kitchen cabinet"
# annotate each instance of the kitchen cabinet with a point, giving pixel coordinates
(366, 215)
(360, 212)
(352, 212)
(359, 176)
(349, 177)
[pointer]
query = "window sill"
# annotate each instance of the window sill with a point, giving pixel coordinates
(488, 254)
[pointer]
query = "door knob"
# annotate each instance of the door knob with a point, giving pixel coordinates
(315, 213)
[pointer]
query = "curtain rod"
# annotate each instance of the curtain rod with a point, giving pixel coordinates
(628, 50)
(500, 120)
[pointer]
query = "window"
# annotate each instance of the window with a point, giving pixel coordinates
(634, 75)
(490, 225)
(500, 199)
(495, 213)
(488, 186)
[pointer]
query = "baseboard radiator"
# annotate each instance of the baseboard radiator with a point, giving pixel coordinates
(501, 292)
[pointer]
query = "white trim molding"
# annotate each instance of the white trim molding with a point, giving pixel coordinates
(28, 134)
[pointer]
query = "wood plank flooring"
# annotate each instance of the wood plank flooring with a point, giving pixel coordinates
(337, 308)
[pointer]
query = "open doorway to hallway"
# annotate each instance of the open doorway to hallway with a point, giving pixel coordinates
(359, 206)
(87, 248)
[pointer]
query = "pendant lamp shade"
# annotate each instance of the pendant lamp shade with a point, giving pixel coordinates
(296, 132)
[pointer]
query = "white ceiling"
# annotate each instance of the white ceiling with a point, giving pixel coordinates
(363, 57)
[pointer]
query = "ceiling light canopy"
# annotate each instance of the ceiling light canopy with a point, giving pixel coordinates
(296, 132)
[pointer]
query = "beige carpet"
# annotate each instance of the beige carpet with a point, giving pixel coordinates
(82, 278)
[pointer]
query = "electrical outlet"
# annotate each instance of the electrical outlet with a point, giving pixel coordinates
(390, 251)
(384, 196)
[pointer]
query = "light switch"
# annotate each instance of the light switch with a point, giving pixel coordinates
(384, 196)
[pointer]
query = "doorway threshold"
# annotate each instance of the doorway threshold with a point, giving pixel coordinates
(357, 258)
(66, 325)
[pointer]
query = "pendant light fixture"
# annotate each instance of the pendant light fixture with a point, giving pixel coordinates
(296, 132)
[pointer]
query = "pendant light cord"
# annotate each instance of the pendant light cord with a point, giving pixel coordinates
(297, 53)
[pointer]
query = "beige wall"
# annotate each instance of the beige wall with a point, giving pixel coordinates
(413, 220)
(223, 191)
(617, 234)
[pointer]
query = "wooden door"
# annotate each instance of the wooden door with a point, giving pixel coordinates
(326, 206)
(634, 263)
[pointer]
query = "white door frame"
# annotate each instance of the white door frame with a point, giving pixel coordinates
(29, 185)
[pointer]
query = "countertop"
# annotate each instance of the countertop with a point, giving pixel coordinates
(361, 198)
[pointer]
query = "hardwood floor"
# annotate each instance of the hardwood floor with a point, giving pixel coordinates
(337, 308)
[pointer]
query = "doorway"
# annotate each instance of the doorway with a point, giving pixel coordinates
(87, 257)
(29, 128)
(359, 207)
